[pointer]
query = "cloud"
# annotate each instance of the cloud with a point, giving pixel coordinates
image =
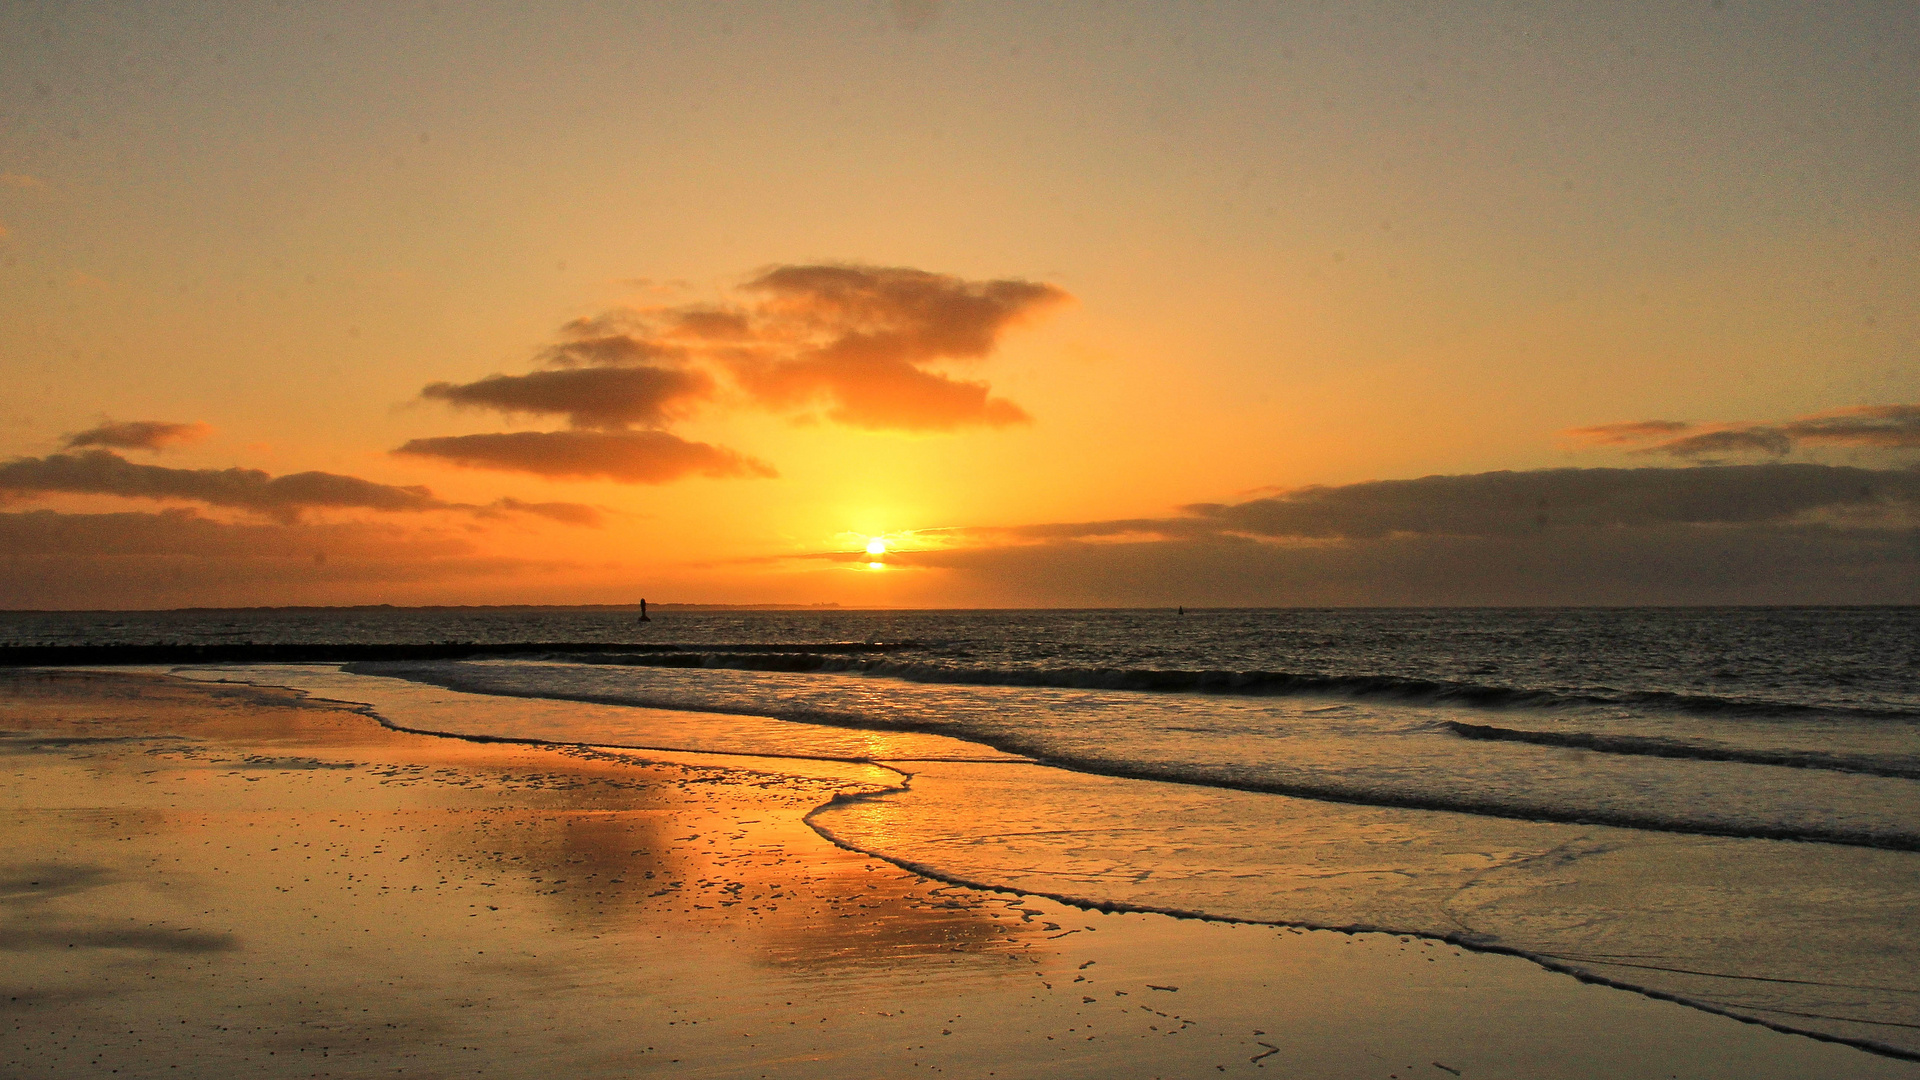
(1879, 427)
(1666, 565)
(102, 472)
(46, 533)
(564, 512)
(853, 345)
(635, 457)
(908, 314)
(1632, 432)
(152, 435)
(854, 338)
(1712, 445)
(21, 180)
(879, 396)
(1887, 426)
(1508, 503)
(605, 398)
(176, 557)
(597, 344)
(1773, 533)
(1518, 503)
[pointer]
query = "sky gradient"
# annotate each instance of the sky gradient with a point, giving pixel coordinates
(1077, 304)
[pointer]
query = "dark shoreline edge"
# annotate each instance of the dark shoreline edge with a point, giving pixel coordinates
(249, 652)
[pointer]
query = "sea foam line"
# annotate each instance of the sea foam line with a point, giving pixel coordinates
(1654, 746)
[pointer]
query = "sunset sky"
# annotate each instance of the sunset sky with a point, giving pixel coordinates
(1069, 304)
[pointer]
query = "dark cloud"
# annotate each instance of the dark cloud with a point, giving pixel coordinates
(598, 344)
(851, 344)
(711, 324)
(847, 343)
(139, 435)
(1777, 533)
(102, 472)
(606, 398)
(636, 457)
(907, 314)
(1635, 431)
(1885, 426)
(47, 533)
(1876, 427)
(1663, 565)
(1715, 445)
(1508, 503)
(176, 557)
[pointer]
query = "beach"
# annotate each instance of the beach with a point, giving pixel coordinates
(859, 540)
(224, 880)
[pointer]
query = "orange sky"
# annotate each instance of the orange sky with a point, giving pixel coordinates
(1068, 304)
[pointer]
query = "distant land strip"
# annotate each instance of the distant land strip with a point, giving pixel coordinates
(345, 653)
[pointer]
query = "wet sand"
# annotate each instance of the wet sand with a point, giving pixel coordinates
(230, 881)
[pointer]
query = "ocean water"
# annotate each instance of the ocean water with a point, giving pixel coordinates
(1720, 806)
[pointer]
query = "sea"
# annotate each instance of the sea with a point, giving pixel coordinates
(1716, 806)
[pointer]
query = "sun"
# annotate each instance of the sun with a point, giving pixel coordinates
(877, 546)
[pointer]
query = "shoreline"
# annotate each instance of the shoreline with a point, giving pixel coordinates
(236, 759)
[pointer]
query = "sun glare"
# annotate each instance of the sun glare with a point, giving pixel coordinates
(876, 546)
